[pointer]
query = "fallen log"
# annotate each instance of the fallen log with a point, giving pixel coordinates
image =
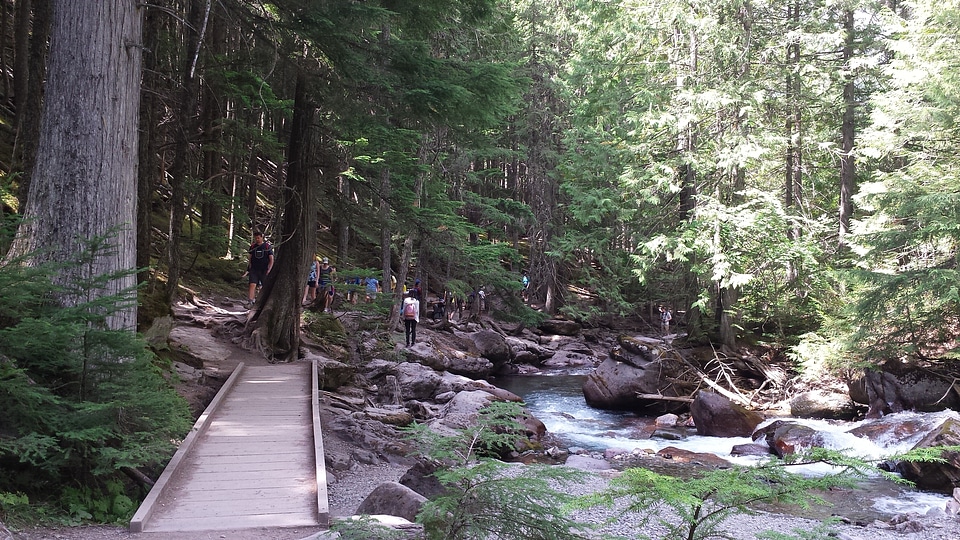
(661, 397)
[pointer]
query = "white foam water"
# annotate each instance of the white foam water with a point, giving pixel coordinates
(557, 400)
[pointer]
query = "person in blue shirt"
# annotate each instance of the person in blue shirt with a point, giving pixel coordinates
(373, 287)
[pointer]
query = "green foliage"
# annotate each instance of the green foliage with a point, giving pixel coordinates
(365, 528)
(486, 498)
(699, 505)
(495, 500)
(905, 302)
(80, 401)
(11, 505)
(496, 427)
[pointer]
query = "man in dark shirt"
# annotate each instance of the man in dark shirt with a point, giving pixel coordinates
(260, 264)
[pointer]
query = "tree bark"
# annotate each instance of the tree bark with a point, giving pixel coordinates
(848, 133)
(276, 325)
(30, 64)
(85, 181)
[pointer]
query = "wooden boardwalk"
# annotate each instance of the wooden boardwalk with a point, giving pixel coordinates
(252, 460)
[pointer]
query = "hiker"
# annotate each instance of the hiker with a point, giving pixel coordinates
(438, 309)
(310, 292)
(325, 283)
(665, 318)
(373, 287)
(416, 290)
(411, 316)
(525, 286)
(259, 265)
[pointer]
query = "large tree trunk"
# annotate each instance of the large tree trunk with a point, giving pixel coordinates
(848, 132)
(276, 325)
(84, 186)
(149, 169)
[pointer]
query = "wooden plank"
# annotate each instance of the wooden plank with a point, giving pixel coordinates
(251, 521)
(255, 463)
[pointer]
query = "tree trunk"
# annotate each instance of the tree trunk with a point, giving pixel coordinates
(276, 325)
(85, 181)
(29, 92)
(148, 171)
(848, 133)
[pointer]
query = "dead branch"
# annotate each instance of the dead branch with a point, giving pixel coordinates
(661, 397)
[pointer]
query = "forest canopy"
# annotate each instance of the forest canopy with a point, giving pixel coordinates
(776, 172)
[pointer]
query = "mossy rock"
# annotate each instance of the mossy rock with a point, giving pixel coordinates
(327, 327)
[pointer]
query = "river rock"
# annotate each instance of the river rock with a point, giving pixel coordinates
(416, 381)
(823, 404)
(717, 416)
(475, 367)
(941, 477)
(646, 347)
(528, 352)
(560, 327)
(331, 373)
(392, 499)
(898, 387)
(422, 478)
(461, 411)
(636, 357)
(904, 426)
(786, 438)
(616, 385)
(587, 463)
(750, 449)
(427, 354)
(492, 346)
(679, 455)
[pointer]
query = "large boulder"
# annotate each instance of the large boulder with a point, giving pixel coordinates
(617, 385)
(492, 346)
(474, 367)
(716, 416)
(786, 438)
(425, 353)
(823, 404)
(422, 478)
(461, 411)
(416, 381)
(392, 499)
(942, 477)
(704, 459)
(903, 428)
(897, 387)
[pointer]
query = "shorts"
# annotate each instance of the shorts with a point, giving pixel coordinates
(256, 276)
(311, 284)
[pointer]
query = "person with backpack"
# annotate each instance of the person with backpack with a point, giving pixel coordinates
(665, 318)
(410, 311)
(325, 279)
(310, 292)
(259, 265)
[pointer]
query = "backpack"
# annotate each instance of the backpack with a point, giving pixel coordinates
(409, 311)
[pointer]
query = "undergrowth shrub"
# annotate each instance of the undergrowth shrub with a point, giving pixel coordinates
(81, 403)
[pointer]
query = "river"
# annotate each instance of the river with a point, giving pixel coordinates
(557, 400)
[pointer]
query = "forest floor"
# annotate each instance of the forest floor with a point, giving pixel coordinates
(349, 491)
